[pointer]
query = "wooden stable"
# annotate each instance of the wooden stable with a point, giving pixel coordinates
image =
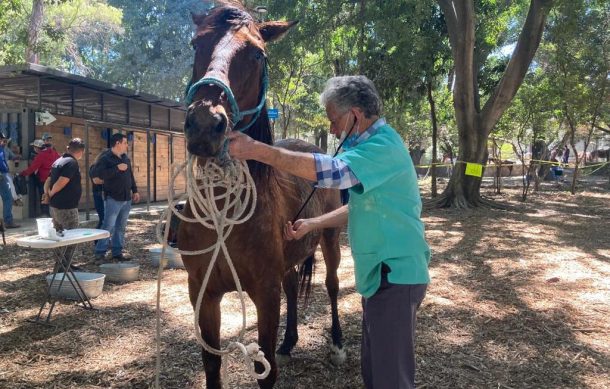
(92, 110)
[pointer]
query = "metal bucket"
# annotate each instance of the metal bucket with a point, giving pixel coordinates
(121, 272)
(172, 259)
(91, 283)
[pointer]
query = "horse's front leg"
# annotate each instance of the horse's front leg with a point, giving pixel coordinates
(267, 303)
(290, 285)
(209, 323)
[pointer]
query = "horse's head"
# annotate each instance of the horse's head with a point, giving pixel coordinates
(229, 81)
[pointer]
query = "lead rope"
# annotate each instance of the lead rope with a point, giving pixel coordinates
(232, 185)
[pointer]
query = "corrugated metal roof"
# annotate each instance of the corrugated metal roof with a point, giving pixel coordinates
(24, 72)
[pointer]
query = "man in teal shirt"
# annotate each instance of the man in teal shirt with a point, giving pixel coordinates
(386, 233)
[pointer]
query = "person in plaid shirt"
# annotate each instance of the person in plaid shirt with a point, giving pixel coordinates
(386, 233)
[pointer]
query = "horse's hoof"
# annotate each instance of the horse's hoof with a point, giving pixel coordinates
(337, 355)
(282, 359)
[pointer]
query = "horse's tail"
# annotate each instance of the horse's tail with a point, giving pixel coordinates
(306, 272)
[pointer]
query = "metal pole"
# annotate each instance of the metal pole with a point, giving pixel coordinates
(148, 170)
(155, 167)
(87, 178)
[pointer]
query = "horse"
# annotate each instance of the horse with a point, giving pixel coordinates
(230, 50)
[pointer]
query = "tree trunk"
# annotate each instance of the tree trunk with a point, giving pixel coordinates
(463, 191)
(31, 51)
(434, 136)
(475, 124)
(324, 140)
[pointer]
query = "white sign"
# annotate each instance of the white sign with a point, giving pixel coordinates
(44, 118)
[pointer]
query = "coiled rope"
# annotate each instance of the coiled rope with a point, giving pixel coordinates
(228, 183)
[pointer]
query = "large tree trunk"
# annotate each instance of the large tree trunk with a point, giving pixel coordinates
(463, 191)
(434, 136)
(475, 124)
(31, 51)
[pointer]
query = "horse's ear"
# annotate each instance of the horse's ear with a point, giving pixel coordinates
(273, 31)
(198, 18)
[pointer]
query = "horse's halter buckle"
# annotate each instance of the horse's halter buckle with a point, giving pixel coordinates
(236, 114)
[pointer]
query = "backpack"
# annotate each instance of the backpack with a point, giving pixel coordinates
(21, 185)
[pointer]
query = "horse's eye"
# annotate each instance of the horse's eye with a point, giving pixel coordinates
(259, 55)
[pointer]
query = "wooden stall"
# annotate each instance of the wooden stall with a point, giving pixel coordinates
(68, 106)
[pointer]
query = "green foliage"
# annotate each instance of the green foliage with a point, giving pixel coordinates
(153, 54)
(401, 45)
(72, 32)
(577, 58)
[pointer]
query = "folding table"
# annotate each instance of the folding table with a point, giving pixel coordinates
(63, 259)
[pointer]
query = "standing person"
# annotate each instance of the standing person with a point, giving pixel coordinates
(5, 188)
(65, 191)
(97, 185)
(119, 191)
(41, 165)
(48, 140)
(386, 233)
(566, 155)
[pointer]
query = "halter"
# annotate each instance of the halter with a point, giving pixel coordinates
(236, 114)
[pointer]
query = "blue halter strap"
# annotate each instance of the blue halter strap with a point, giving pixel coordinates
(236, 115)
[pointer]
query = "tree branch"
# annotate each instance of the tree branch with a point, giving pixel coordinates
(606, 130)
(528, 42)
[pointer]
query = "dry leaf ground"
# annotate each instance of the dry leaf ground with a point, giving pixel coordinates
(519, 299)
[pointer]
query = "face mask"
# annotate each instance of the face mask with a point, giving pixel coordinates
(343, 133)
(348, 138)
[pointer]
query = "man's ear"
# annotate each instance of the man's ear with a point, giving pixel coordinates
(273, 31)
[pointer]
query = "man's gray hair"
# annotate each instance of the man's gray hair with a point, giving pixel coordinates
(345, 92)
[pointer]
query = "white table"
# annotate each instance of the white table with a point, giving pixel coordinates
(63, 260)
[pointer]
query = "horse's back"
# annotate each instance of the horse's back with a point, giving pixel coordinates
(298, 145)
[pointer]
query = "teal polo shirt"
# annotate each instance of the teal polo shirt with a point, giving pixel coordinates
(384, 224)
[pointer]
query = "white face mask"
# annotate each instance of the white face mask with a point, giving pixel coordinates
(343, 133)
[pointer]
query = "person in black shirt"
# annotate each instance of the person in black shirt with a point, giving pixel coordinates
(119, 191)
(65, 190)
(97, 185)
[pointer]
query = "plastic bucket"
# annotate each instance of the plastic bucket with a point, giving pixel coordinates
(45, 225)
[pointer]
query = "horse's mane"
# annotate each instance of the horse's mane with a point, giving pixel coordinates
(261, 131)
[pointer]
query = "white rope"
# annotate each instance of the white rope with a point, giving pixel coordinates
(232, 186)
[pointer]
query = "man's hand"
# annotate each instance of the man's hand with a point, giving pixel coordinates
(300, 228)
(122, 166)
(97, 180)
(135, 197)
(241, 146)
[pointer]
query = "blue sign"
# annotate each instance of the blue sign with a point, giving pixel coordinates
(273, 113)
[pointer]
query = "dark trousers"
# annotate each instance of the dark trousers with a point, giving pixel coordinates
(44, 208)
(388, 335)
(98, 202)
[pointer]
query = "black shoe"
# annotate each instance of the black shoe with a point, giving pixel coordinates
(121, 258)
(11, 225)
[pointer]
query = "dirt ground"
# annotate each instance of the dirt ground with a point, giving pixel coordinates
(518, 299)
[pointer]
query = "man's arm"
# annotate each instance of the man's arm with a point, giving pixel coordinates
(106, 169)
(34, 166)
(293, 162)
(135, 196)
(301, 227)
(58, 185)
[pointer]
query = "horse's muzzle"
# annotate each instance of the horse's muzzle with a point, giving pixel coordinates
(205, 128)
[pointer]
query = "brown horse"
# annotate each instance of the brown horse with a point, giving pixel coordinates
(230, 47)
